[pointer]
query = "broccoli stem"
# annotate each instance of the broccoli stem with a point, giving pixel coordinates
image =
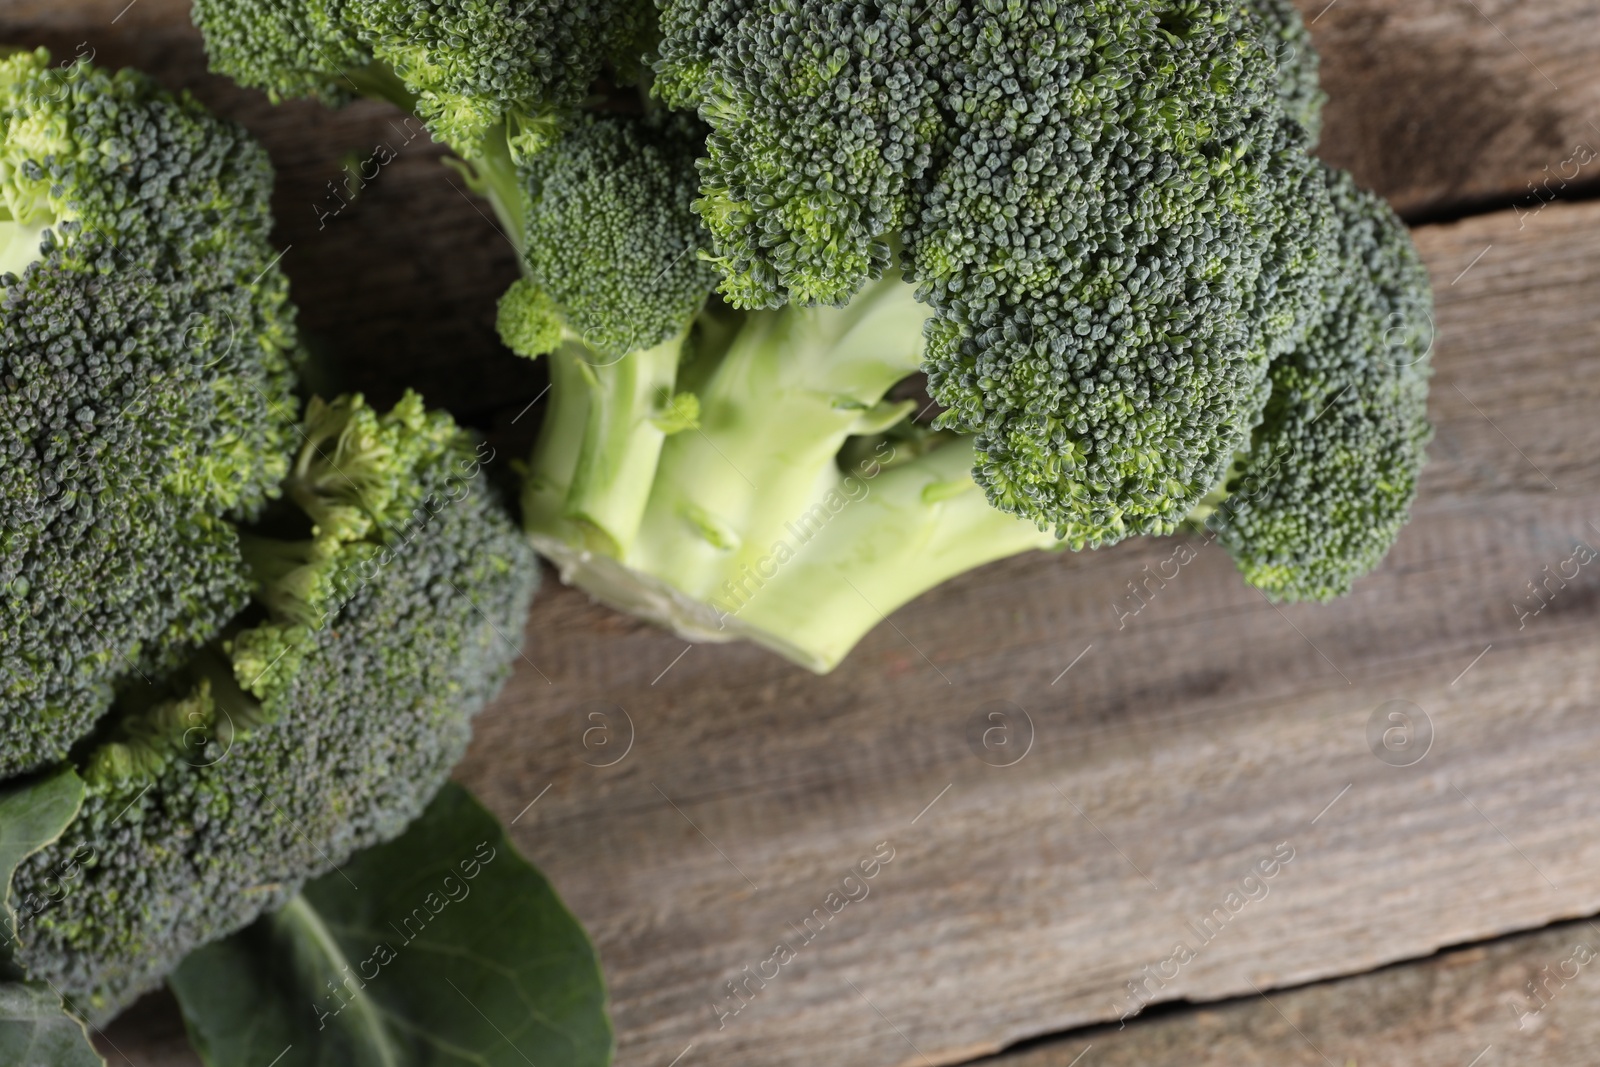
(378, 79)
(877, 539)
(555, 454)
(775, 410)
(285, 574)
(751, 529)
(902, 533)
(492, 173)
(626, 412)
(19, 244)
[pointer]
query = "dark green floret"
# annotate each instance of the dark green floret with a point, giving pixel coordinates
(474, 70)
(1093, 286)
(1332, 469)
(609, 238)
(145, 374)
(1299, 88)
(287, 48)
(824, 116)
(317, 725)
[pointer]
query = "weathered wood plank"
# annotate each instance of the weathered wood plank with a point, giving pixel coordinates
(1439, 102)
(1528, 1000)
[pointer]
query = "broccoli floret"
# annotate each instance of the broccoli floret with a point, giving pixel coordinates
(612, 282)
(287, 48)
(1085, 194)
(472, 69)
(824, 116)
(145, 377)
(610, 243)
(303, 736)
(1332, 469)
(1093, 277)
(1299, 89)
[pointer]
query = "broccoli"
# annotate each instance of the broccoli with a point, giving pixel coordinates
(1332, 470)
(146, 351)
(612, 284)
(1084, 196)
(1092, 233)
(482, 73)
(390, 590)
(1104, 326)
(1299, 87)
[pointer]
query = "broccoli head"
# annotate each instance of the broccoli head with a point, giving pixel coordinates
(1085, 195)
(391, 593)
(1096, 229)
(1332, 468)
(146, 343)
(990, 277)
(470, 68)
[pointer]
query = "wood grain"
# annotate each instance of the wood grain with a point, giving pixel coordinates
(1174, 755)
(1443, 105)
(1532, 1000)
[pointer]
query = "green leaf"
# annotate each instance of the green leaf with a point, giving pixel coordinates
(454, 950)
(32, 816)
(36, 1032)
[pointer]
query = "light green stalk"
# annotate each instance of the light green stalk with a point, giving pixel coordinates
(620, 413)
(774, 412)
(19, 244)
(751, 529)
(836, 574)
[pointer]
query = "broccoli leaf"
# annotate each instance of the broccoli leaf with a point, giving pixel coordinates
(31, 816)
(36, 1032)
(453, 950)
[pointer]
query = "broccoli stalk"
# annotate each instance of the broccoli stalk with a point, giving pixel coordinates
(919, 525)
(606, 438)
(745, 525)
(19, 243)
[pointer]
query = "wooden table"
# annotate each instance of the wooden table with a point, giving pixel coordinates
(1173, 752)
